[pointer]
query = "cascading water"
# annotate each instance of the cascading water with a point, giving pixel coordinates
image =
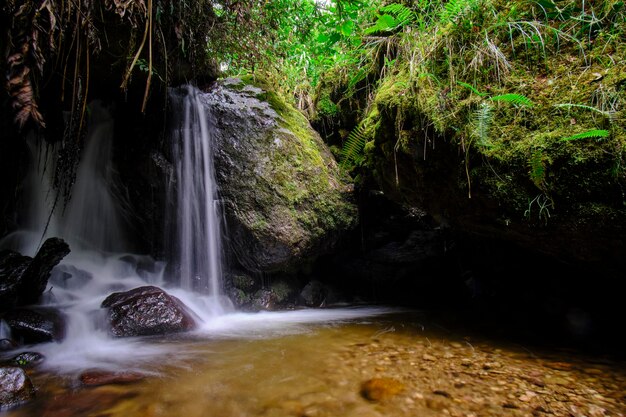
(5, 330)
(96, 266)
(199, 254)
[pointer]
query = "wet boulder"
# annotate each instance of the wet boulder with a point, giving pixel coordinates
(23, 279)
(285, 197)
(147, 311)
(313, 294)
(36, 325)
(12, 267)
(263, 299)
(7, 344)
(27, 359)
(15, 387)
(94, 378)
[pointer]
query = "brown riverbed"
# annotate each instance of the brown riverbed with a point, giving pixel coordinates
(385, 366)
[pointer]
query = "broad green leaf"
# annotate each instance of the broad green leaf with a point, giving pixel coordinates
(347, 27)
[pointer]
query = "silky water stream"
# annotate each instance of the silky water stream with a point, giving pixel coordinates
(292, 363)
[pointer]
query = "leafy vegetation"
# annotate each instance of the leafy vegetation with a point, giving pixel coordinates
(519, 86)
(532, 93)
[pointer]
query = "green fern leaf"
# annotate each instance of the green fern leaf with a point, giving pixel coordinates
(582, 106)
(537, 169)
(516, 99)
(588, 135)
(394, 16)
(483, 117)
(470, 87)
(455, 9)
(352, 151)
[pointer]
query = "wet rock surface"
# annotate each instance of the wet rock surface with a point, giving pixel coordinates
(15, 387)
(27, 359)
(380, 389)
(36, 325)
(23, 279)
(99, 377)
(146, 311)
(284, 195)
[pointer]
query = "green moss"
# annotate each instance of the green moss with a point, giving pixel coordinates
(301, 172)
(282, 291)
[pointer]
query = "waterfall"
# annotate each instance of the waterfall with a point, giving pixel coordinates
(198, 252)
(5, 331)
(92, 219)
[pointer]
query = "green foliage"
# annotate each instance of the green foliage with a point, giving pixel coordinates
(584, 107)
(515, 99)
(537, 167)
(456, 9)
(352, 151)
(472, 88)
(590, 134)
(394, 17)
(483, 117)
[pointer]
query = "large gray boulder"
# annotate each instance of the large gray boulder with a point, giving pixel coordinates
(285, 197)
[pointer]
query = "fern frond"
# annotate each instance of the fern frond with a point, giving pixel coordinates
(352, 151)
(402, 13)
(472, 88)
(584, 107)
(395, 16)
(482, 121)
(516, 99)
(455, 9)
(537, 167)
(588, 135)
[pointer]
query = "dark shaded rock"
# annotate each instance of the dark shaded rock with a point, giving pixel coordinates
(7, 344)
(263, 299)
(24, 279)
(97, 377)
(313, 294)
(37, 325)
(146, 311)
(15, 387)
(70, 277)
(243, 282)
(239, 297)
(12, 267)
(27, 359)
(285, 197)
(35, 278)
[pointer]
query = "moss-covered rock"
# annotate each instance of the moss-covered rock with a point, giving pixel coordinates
(285, 198)
(526, 176)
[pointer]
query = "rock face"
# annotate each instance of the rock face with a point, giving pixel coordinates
(15, 387)
(24, 279)
(284, 195)
(146, 311)
(38, 325)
